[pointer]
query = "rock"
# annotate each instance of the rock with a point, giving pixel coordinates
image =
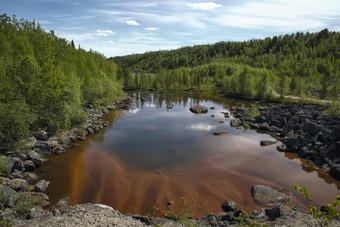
(29, 165)
(265, 195)
(8, 164)
(30, 143)
(264, 126)
(292, 143)
(199, 109)
(142, 219)
(264, 143)
(217, 133)
(228, 217)
(16, 174)
(42, 148)
(221, 122)
(235, 122)
(274, 129)
(90, 130)
(8, 196)
(273, 213)
(212, 108)
(65, 139)
(281, 148)
(212, 220)
(41, 135)
(18, 184)
(62, 205)
(36, 158)
(170, 203)
(41, 198)
(170, 106)
(31, 178)
(212, 115)
(37, 212)
(260, 119)
(229, 205)
(58, 150)
(254, 126)
(304, 152)
(335, 171)
(41, 186)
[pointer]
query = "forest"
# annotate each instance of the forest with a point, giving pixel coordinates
(45, 80)
(301, 64)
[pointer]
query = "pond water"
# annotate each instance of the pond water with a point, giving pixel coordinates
(153, 155)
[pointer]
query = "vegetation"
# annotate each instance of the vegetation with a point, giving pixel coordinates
(326, 215)
(185, 216)
(45, 80)
(296, 64)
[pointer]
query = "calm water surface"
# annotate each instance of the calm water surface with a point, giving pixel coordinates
(152, 155)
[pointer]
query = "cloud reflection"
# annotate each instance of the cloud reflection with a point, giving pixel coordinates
(134, 111)
(201, 127)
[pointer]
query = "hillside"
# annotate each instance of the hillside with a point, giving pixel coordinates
(298, 64)
(45, 81)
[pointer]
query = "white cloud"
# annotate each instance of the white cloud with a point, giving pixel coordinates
(104, 32)
(108, 42)
(205, 5)
(151, 29)
(129, 22)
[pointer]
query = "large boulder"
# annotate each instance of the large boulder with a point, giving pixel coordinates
(335, 171)
(18, 184)
(8, 164)
(41, 135)
(30, 177)
(199, 109)
(43, 148)
(235, 122)
(265, 195)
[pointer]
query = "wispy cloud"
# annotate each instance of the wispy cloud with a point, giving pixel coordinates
(151, 29)
(108, 42)
(103, 32)
(205, 5)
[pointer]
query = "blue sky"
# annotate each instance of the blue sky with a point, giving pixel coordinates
(121, 27)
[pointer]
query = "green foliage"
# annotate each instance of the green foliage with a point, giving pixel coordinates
(253, 111)
(184, 216)
(331, 209)
(45, 81)
(25, 203)
(243, 216)
(334, 107)
(295, 64)
(6, 223)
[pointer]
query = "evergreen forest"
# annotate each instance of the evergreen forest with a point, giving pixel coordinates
(46, 80)
(300, 64)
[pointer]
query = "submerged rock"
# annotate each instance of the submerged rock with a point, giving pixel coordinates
(199, 109)
(229, 205)
(217, 133)
(264, 143)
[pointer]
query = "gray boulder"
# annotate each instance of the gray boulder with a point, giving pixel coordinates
(264, 143)
(31, 178)
(31, 142)
(36, 158)
(8, 196)
(235, 122)
(61, 206)
(8, 164)
(18, 184)
(199, 109)
(265, 195)
(29, 165)
(41, 135)
(41, 186)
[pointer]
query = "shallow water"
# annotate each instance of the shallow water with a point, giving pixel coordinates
(152, 155)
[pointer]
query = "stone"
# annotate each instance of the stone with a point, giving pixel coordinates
(65, 139)
(273, 213)
(199, 109)
(304, 152)
(8, 164)
(217, 133)
(31, 178)
(335, 171)
(41, 198)
(18, 184)
(37, 212)
(16, 174)
(235, 122)
(229, 205)
(30, 143)
(42, 148)
(8, 196)
(41, 135)
(62, 205)
(41, 186)
(59, 150)
(228, 217)
(36, 158)
(29, 165)
(212, 220)
(264, 126)
(212, 108)
(264, 143)
(265, 195)
(274, 129)
(281, 148)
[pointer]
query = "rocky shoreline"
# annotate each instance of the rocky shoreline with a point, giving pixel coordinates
(20, 189)
(303, 128)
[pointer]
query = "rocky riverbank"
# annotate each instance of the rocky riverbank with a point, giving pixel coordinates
(20, 189)
(303, 128)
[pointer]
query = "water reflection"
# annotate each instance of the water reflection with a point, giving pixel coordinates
(162, 154)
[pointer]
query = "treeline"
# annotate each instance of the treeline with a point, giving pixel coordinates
(45, 80)
(299, 64)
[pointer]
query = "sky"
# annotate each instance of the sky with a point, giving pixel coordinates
(123, 27)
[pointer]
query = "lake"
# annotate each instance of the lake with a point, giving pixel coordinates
(150, 154)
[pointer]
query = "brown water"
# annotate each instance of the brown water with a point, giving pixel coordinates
(151, 155)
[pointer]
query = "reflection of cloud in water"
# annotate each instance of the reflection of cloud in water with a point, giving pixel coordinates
(201, 127)
(150, 105)
(134, 111)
